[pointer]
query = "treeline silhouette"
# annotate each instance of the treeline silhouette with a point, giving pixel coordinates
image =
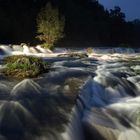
(87, 23)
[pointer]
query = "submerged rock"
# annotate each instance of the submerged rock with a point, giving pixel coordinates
(26, 89)
(72, 86)
(74, 55)
(16, 121)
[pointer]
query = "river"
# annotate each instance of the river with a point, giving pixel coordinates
(93, 98)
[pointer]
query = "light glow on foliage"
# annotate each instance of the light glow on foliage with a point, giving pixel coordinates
(50, 26)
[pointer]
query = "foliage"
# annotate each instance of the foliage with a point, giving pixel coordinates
(12, 59)
(86, 21)
(50, 26)
(132, 62)
(89, 50)
(21, 66)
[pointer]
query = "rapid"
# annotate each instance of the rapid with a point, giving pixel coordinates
(93, 98)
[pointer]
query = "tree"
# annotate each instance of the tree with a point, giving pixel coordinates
(50, 26)
(116, 14)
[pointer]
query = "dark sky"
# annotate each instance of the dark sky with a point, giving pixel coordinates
(131, 8)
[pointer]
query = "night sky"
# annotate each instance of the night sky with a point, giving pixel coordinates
(131, 8)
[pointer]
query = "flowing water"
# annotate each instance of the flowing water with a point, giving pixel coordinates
(94, 98)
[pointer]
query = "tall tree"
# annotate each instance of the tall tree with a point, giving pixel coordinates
(50, 25)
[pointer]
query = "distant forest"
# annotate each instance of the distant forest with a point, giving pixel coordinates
(87, 23)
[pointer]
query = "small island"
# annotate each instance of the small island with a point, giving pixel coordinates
(22, 66)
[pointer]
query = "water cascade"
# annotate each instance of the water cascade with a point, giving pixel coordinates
(79, 99)
(112, 104)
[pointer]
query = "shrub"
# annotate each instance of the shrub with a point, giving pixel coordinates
(21, 66)
(50, 26)
(89, 50)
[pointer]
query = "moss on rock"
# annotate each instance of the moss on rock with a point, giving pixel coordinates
(74, 55)
(22, 66)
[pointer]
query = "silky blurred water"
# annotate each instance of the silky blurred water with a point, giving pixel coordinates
(79, 99)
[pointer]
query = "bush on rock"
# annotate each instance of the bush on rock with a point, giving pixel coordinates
(74, 55)
(22, 66)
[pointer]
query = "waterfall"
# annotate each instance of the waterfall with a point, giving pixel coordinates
(23, 50)
(40, 51)
(6, 49)
(79, 99)
(112, 104)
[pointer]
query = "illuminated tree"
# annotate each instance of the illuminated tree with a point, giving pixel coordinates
(50, 26)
